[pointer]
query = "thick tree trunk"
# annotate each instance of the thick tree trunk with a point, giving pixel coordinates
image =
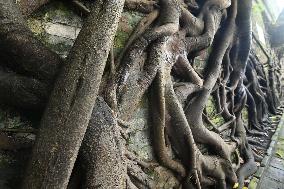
(68, 112)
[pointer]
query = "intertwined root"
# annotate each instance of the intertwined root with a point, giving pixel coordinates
(164, 102)
(158, 56)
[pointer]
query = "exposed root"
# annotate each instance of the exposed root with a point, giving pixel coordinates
(159, 55)
(143, 6)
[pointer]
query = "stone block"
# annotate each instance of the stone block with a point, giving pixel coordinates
(61, 30)
(259, 172)
(281, 132)
(269, 151)
(279, 152)
(277, 163)
(272, 144)
(274, 137)
(275, 174)
(264, 161)
(268, 183)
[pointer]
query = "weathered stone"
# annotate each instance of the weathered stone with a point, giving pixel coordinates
(268, 183)
(264, 161)
(272, 144)
(58, 44)
(259, 172)
(275, 174)
(128, 22)
(277, 163)
(279, 151)
(56, 26)
(274, 137)
(269, 151)
(281, 132)
(66, 31)
(139, 133)
(57, 12)
(280, 146)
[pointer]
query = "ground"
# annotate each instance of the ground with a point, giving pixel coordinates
(271, 175)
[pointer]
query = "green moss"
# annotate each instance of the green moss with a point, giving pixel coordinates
(274, 118)
(210, 107)
(253, 183)
(257, 10)
(212, 113)
(258, 7)
(245, 115)
(280, 153)
(120, 40)
(128, 22)
(9, 119)
(129, 141)
(35, 26)
(281, 139)
(58, 10)
(150, 173)
(280, 148)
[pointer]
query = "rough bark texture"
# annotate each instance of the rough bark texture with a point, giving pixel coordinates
(102, 151)
(69, 109)
(31, 66)
(158, 58)
(29, 6)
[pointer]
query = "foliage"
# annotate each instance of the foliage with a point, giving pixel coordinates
(10, 119)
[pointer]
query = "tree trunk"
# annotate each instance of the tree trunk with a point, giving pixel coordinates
(68, 112)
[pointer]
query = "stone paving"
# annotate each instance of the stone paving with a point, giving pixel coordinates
(270, 175)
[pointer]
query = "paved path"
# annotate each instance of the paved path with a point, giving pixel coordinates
(272, 176)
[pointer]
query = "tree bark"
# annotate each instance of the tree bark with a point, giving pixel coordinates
(68, 112)
(29, 6)
(27, 67)
(102, 150)
(158, 54)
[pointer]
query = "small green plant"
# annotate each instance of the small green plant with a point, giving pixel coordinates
(213, 115)
(11, 120)
(258, 7)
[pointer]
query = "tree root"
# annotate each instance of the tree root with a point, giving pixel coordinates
(102, 150)
(157, 56)
(143, 6)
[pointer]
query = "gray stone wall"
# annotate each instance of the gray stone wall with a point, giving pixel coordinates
(56, 26)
